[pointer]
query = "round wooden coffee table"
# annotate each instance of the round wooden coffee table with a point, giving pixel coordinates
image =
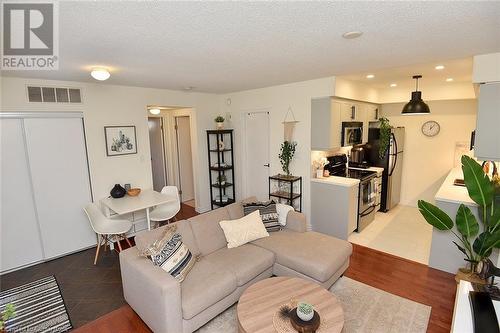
(259, 303)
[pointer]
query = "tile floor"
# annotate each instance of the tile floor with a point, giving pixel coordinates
(402, 232)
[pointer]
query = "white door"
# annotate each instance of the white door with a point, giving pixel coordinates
(256, 176)
(184, 158)
(157, 152)
(20, 238)
(61, 185)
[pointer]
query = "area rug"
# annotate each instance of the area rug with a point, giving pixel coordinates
(39, 307)
(366, 309)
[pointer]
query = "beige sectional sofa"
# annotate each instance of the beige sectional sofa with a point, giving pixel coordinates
(221, 275)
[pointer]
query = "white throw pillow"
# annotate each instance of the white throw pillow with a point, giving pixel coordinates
(282, 211)
(243, 230)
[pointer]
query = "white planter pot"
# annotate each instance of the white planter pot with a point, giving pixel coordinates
(304, 316)
(219, 126)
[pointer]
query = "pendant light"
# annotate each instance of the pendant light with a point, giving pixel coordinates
(416, 105)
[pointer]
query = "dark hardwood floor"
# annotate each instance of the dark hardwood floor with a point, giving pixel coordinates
(94, 296)
(89, 291)
(393, 274)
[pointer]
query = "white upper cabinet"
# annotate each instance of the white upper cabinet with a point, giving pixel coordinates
(486, 68)
(325, 124)
(352, 111)
(487, 141)
(370, 115)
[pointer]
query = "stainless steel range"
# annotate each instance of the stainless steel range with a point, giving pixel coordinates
(337, 166)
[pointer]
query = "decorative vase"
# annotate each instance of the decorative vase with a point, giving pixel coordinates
(117, 191)
(305, 311)
(219, 125)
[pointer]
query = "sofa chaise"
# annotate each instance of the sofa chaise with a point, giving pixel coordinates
(220, 276)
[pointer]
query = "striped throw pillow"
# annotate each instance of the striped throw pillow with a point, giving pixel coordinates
(267, 212)
(172, 255)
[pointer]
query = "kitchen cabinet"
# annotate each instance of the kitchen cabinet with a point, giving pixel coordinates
(487, 140)
(327, 116)
(326, 124)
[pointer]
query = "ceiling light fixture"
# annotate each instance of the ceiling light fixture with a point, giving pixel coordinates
(155, 111)
(370, 76)
(416, 105)
(450, 79)
(352, 34)
(100, 74)
(393, 85)
(439, 67)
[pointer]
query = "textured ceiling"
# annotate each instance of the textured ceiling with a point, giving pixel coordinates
(231, 46)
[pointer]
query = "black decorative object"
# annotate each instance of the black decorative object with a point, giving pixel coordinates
(221, 167)
(416, 105)
(118, 191)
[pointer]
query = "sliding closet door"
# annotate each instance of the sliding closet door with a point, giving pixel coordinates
(59, 171)
(20, 237)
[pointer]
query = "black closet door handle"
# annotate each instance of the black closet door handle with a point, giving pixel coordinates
(266, 165)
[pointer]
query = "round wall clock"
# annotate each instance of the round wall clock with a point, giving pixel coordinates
(431, 128)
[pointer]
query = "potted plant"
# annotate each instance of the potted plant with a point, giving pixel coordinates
(8, 313)
(219, 122)
(475, 240)
(287, 151)
(221, 180)
(305, 311)
(385, 136)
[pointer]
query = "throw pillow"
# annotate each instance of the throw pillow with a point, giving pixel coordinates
(172, 255)
(283, 210)
(268, 213)
(243, 230)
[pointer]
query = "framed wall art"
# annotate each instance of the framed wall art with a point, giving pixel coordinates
(120, 140)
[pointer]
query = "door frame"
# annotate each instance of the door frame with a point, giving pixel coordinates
(163, 147)
(245, 159)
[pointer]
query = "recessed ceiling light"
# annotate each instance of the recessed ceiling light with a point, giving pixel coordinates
(352, 34)
(188, 88)
(370, 76)
(154, 111)
(439, 67)
(450, 79)
(392, 85)
(100, 74)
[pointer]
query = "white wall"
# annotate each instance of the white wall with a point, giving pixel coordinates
(427, 161)
(277, 99)
(430, 92)
(356, 90)
(119, 105)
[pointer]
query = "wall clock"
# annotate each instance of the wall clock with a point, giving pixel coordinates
(431, 128)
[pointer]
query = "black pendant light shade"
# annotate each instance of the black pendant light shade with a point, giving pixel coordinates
(416, 105)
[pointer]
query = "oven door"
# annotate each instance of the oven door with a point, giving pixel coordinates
(367, 203)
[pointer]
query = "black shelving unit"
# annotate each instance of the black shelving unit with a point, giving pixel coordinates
(221, 163)
(286, 189)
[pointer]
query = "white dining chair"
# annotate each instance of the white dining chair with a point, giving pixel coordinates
(106, 229)
(169, 210)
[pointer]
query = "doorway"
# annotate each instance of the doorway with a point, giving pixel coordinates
(184, 158)
(157, 147)
(257, 154)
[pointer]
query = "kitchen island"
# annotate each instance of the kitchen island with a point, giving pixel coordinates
(444, 254)
(334, 205)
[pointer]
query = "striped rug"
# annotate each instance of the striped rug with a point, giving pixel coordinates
(39, 307)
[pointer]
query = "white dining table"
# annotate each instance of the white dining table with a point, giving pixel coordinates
(144, 201)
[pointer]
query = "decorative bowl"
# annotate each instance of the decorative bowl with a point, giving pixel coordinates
(133, 192)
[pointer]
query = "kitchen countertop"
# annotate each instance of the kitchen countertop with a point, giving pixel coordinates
(335, 180)
(451, 193)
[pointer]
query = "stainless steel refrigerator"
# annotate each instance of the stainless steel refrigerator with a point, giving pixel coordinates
(392, 163)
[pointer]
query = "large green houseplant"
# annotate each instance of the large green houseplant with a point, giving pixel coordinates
(475, 240)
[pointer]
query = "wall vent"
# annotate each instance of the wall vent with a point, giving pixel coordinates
(54, 95)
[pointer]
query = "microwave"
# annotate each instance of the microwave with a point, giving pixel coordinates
(352, 133)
